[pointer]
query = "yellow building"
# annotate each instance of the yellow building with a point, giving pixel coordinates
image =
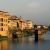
(3, 23)
(17, 22)
(23, 23)
(29, 24)
(13, 22)
(7, 22)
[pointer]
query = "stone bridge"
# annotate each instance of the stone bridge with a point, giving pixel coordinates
(20, 33)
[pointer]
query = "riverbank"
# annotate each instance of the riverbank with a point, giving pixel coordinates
(3, 38)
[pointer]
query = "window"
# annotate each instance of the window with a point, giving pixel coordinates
(4, 24)
(1, 19)
(6, 20)
(1, 24)
(1, 29)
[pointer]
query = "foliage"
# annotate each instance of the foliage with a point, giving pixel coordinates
(35, 26)
(42, 27)
(49, 27)
(27, 33)
(17, 25)
(3, 38)
(13, 31)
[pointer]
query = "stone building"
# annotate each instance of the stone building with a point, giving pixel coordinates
(29, 24)
(4, 23)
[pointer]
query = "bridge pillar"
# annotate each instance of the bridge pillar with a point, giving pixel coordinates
(38, 34)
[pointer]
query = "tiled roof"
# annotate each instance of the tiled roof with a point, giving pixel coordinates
(13, 18)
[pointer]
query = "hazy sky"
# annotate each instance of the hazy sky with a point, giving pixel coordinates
(36, 10)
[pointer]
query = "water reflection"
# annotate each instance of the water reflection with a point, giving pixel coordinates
(4, 45)
(24, 44)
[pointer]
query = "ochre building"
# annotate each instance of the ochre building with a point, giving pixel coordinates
(3, 23)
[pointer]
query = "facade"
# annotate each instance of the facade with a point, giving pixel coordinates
(7, 22)
(42, 27)
(13, 21)
(38, 26)
(45, 27)
(23, 23)
(4, 23)
(29, 24)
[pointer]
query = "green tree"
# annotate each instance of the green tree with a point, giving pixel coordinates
(13, 31)
(17, 25)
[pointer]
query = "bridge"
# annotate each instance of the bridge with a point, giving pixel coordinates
(20, 33)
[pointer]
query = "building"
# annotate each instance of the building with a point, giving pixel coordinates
(13, 21)
(29, 24)
(4, 23)
(23, 23)
(41, 27)
(38, 26)
(45, 27)
(7, 21)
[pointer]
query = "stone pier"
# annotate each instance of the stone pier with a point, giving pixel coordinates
(38, 34)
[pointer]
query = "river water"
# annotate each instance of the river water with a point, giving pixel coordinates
(26, 43)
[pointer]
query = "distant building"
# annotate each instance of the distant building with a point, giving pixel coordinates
(29, 24)
(42, 27)
(38, 26)
(45, 27)
(4, 23)
(23, 23)
(13, 21)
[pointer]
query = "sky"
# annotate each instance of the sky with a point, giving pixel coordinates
(36, 10)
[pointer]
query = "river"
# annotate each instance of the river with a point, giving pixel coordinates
(26, 43)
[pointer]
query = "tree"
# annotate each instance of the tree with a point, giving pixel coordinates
(17, 25)
(49, 26)
(35, 26)
(13, 31)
